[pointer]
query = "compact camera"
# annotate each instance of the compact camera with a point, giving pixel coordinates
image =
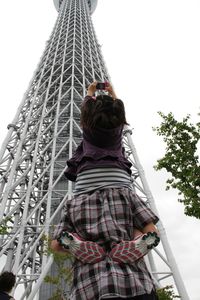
(101, 85)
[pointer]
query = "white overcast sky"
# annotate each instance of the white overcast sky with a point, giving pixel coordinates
(152, 52)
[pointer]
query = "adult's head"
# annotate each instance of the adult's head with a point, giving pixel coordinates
(7, 281)
(104, 112)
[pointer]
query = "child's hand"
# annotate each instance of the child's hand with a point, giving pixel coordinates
(111, 91)
(92, 89)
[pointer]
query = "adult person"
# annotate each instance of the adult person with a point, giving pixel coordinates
(7, 282)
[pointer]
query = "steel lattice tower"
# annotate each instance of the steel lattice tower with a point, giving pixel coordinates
(42, 136)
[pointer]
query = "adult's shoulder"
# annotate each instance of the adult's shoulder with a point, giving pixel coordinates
(5, 296)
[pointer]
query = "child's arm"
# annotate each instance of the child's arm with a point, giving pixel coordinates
(111, 91)
(91, 89)
(71, 170)
(90, 96)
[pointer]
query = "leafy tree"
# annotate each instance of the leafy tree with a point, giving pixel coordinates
(181, 160)
(63, 275)
(166, 293)
(4, 227)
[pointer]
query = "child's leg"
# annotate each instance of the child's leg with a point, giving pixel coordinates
(130, 251)
(55, 246)
(149, 228)
(86, 251)
(137, 233)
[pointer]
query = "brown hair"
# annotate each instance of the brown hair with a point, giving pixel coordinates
(103, 112)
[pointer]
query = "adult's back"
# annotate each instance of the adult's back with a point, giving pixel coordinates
(7, 282)
(5, 296)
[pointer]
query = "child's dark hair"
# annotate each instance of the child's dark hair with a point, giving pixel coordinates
(7, 281)
(103, 112)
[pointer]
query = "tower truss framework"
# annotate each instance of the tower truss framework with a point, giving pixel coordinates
(42, 136)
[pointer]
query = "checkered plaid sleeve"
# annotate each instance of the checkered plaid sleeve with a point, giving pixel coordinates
(142, 214)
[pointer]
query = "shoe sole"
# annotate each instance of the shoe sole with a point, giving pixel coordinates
(131, 251)
(85, 251)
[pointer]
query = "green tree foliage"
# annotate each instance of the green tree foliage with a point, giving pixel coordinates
(166, 293)
(181, 160)
(63, 273)
(63, 276)
(4, 227)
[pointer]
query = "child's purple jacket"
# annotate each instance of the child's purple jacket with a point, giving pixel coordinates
(100, 148)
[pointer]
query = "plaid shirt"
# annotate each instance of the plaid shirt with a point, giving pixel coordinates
(107, 216)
